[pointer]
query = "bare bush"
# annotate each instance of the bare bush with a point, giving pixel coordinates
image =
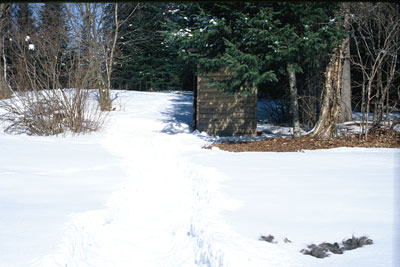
(42, 65)
(51, 112)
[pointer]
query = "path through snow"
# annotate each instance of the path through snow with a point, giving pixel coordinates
(167, 211)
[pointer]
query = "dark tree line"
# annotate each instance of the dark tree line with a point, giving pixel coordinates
(299, 52)
(321, 60)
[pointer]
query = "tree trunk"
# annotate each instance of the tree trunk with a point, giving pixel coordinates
(294, 106)
(331, 103)
(346, 111)
(106, 100)
(5, 91)
(5, 11)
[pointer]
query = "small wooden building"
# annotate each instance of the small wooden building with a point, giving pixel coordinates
(222, 114)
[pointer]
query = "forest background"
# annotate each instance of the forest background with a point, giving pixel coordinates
(314, 62)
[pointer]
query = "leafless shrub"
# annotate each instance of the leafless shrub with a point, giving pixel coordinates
(51, 112)
(42, 64)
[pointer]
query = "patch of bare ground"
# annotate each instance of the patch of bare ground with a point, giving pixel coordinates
(386, 139)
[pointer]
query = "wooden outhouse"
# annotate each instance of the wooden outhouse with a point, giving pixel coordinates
(222, 114)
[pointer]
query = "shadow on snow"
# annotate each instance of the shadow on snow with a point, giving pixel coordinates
(179, 116)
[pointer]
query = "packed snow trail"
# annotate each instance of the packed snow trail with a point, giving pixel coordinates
(167, 212)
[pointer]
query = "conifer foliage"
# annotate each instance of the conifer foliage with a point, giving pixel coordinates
(256, 40)
(146, 62)
(285, 50)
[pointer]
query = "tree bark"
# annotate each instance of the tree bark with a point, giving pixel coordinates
(5, 11)
(336, 103)
(5, 91)
(346, 111)
(331, 103)
(105, 92)
(294, 106)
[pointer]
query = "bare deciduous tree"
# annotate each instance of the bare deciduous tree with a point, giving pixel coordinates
(376, 39)
(331, 103)
(97, 41)
(332, 100)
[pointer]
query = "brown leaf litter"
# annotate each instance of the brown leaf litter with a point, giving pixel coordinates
(288, 144)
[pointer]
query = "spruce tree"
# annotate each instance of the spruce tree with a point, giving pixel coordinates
(146, 61)
(258, 42)
(252, 39)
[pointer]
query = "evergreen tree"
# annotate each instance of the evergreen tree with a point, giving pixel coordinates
(146, 61)
(254, 40)
(258, 42)
(213, 36)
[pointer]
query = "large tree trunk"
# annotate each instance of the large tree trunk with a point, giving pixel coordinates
(294, 106)
(346, 112)
(331, 103)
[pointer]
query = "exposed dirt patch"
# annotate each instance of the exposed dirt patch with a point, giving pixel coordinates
(288, 144)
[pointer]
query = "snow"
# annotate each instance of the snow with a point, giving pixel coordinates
(173, 11)
(143, 192)
(43, 180)
(183, 32)
(213, 21)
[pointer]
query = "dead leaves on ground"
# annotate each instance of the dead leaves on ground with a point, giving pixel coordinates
(288, 144)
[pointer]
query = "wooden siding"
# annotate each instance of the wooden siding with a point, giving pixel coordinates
(222, 114)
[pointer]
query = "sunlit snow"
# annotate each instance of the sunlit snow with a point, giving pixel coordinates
(143, 192)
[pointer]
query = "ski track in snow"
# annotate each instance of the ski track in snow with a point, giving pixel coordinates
(166, 212)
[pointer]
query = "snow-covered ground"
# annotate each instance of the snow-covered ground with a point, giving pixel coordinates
(143, 192)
